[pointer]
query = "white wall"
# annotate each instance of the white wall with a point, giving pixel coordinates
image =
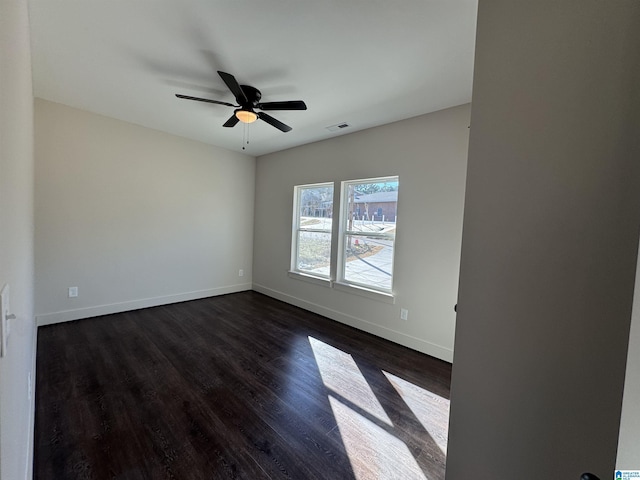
(16, 238)
(134, 217)
(549, 241)
(429, 155)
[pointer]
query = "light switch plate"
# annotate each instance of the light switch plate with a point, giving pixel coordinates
(4, 322)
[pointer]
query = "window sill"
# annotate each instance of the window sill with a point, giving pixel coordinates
(344, 287)
(365, 292)
(325, 282)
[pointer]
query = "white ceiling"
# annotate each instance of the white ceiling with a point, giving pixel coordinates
(364, 62)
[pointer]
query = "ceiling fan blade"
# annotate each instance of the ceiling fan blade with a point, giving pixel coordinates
(290, 105)
(272, 121)
(233, 120)
(186, 97)
(233, 85)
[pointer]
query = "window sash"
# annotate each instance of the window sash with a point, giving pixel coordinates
(370, 277)
(300, 230)
(357, 233)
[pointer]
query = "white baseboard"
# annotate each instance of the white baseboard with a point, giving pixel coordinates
(87, 312)
(409, 341)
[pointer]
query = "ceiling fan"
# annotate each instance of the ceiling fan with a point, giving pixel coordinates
(248, 99)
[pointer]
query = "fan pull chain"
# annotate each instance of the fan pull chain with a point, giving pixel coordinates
(245, 135)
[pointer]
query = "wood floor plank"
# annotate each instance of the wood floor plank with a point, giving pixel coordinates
(260, 387)
(234, 387)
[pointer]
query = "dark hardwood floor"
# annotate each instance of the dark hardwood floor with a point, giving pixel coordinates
(236, 386)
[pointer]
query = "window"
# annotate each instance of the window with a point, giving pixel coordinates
(366, 238)
(367, 233)
(312, 218)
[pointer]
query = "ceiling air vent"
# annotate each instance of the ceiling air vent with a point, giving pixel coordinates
(338, 127)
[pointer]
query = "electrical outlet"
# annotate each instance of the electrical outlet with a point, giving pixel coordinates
(73, 292)
(404, 314)
(241, 273)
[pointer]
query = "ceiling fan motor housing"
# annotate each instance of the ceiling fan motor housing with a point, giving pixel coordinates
(253, 95)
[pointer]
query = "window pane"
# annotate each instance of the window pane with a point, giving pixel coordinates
(375, 201)
(314, 253)
(316, 207)
(368, 261)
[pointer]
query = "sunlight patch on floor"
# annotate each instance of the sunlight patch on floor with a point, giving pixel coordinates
(430, 409)
(340, 374)
(374, 453)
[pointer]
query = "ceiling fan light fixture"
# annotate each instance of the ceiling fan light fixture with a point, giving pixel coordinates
(246, 116)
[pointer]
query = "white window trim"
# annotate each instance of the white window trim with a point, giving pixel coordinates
(337, 266)
(355, 289)
(306, 277)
